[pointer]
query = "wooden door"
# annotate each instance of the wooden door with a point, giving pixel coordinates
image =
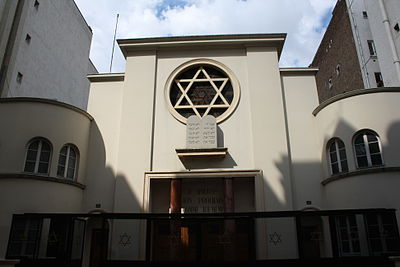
(98, 247)
(310, 237)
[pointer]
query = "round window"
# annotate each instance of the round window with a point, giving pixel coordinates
(202, 87)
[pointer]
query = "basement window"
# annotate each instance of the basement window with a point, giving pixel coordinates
(46, 238)
(23, 237)
(382, 233)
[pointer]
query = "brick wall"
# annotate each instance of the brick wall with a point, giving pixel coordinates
(337, 49)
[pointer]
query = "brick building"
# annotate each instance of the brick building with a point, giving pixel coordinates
(360, 49)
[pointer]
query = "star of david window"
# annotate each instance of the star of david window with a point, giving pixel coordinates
(202, 89)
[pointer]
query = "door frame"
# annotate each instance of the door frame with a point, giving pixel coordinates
(259, 201)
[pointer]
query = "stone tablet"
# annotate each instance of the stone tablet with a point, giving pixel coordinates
(193, 132)
(201, 133)
(209, 132)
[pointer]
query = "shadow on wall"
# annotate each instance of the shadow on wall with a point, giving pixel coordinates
(211, 163)
(304, 188)
(102, 182)
(100, 179)
(220, 137)
(307, 175)
(206, 163)
(102, 237)
(388, 137)
(371, 187)
(368, 193)
(393, 145)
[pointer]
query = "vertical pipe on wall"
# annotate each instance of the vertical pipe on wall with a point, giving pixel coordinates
(386, 24)
(359, 47)
(153, 117)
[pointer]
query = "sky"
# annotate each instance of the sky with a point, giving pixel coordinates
(304, 21)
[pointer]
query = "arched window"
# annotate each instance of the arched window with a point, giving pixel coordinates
(367, 149)
(67, 162)
(337, 156)
(38, 156)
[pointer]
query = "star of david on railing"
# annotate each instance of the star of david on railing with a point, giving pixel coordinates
(201, 76)
(125, 240)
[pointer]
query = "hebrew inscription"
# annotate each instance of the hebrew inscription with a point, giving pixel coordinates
(203, 196)
(201, 133)
(193, 132)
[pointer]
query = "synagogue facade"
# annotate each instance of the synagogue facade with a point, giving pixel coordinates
(203, 150)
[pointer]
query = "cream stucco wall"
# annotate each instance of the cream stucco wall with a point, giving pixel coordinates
(157, 136)
(374, 190)
(105, 104)
(301, 98)
(170, 134)
(148, 134)
(36, 118)
(343, 119)
(21, 193)
(245, 133)
(268, 129)
(135, 137)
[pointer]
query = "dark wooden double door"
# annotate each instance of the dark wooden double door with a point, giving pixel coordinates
(202, 240)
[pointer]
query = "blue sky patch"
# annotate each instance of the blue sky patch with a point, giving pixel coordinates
(169, 4)
(326, 18)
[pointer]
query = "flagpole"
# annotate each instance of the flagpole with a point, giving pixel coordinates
(113, 46)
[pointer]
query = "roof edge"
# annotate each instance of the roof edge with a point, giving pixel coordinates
(106, 77)
(356, 92)
(238, 40)
(298, 70)
(46, 101)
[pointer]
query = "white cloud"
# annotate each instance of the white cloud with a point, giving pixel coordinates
(302, 20)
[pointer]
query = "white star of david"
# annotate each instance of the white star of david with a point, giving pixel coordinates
(194, 80)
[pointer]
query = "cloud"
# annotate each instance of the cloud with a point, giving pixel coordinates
(303, 20)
